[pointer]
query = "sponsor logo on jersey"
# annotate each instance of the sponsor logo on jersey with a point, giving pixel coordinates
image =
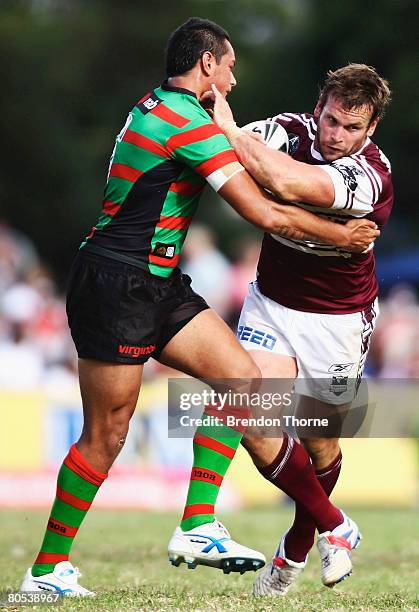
(151, 102)
(257, 336)
(164, 250)
(341, 367)
(339, 385)
(293, 143)
(136, 351)
(349, 174)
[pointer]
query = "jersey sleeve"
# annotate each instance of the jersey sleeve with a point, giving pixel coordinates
(357, 185)
(206, 150)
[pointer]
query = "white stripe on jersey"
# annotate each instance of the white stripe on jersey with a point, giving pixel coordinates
(375, 192)
(281, 116)
(376, 177)
(306, 122)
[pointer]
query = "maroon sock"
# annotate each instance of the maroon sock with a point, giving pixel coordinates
(293, 473)
(300, 537)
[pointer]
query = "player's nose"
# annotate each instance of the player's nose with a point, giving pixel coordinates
(337, 134)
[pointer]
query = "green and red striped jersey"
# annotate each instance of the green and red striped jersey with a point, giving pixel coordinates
(166, 152)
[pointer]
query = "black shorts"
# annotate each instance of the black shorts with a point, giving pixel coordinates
(123, 314)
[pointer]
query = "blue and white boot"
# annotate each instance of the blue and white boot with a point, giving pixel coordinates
(210, 544)
(279, 575)
(63, 580)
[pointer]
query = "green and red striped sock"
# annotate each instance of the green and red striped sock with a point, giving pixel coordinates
(77, 486)
(214, 448)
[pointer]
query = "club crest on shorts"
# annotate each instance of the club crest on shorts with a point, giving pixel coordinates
(339, 385)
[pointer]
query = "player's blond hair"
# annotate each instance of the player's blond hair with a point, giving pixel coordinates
(357, 85)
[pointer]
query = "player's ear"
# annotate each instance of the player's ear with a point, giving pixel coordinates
(317, 110)
(372, 127)
(207, 63)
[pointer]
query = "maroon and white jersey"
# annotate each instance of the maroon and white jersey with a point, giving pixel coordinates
(321, 278)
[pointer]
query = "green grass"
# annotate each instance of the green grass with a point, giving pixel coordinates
(123, 557)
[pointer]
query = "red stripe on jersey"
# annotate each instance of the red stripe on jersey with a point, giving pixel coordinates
(216, 162)
(52, 558)
(162, 261)
(166, 114)
(110, 208)
(78, 464)
(196, 135)
(145, 143)
(214, 445)
(61, 528)
(72, 500)
(194, 509)
(144, 97)
(175, 223)
(204, 475)
(186, 188)
(125, 172)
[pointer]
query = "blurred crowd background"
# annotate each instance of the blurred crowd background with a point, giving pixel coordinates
(36, 347)
(70, 72)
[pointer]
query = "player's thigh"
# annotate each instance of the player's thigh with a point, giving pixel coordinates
(275, 366)
(108, 387)
(207, 348)
(264, 331)
(331, 352)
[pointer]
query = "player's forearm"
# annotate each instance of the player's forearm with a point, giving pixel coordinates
(265, 165)
(290, 180)
(297, 223)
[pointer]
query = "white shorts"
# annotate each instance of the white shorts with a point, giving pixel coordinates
(325, 346)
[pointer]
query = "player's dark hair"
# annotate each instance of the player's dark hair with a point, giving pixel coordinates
(357, 85)
(187, 44)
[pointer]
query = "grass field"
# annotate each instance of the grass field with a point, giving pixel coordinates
(123, 557)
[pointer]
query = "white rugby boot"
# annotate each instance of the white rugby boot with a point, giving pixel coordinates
(335, 549)
(62, 580)
(278, 576)
(210, 544)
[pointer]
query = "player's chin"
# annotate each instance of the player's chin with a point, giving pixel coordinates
(331, 157)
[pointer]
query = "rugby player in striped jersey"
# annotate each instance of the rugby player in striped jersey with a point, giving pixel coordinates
(128, 301)
(319, 303)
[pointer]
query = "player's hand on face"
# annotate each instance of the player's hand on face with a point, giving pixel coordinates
(222, 110)
(207, 102)
(361, 234)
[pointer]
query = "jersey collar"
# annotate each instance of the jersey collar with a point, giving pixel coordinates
(165, 85)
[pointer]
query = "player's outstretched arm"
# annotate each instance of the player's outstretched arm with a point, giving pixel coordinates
(287, 178)
(255, 205)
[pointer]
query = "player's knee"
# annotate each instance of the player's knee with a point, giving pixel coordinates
(109, 431)
(322, 450)
(249, 371)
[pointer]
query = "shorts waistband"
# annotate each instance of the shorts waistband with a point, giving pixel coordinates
(99, 252)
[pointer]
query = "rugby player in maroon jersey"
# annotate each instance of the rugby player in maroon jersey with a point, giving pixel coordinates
(128, 301)
(318, 303)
